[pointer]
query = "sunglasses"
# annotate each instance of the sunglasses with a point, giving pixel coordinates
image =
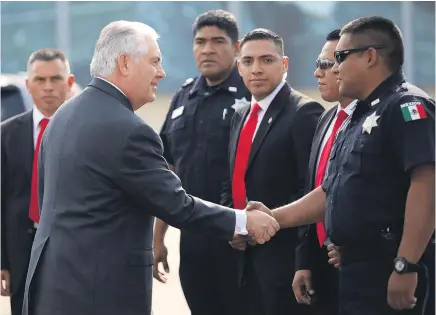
(324, 64)
(341, 55)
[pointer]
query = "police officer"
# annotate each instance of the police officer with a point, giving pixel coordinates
(195, 136)
(378, 196)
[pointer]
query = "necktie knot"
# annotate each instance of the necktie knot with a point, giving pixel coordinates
(342, 115)
(255, 109)
(43, 123)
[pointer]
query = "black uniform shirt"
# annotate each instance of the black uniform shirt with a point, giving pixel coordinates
(196, 133)
(389, 134)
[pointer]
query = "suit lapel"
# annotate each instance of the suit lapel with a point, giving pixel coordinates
(268, 120)
(25, 130)
(318, 142)
(235, 137)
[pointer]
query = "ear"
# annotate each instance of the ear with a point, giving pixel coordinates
(71, 79)
(27, 84)
(285, 64)
(237, 48)
(238, 63)
(123, 64)
(372, 57)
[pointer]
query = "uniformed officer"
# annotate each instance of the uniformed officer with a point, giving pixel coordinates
(379, 194)
(195, 136)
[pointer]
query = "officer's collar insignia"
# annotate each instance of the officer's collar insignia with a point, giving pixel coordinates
(233, 89)
(269, 120)
(188, 81)
(369, 123)
(240, 103)
(375, 102)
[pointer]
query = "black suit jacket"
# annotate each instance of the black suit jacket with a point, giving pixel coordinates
(277, 170)
(102, 180)
(307, 235)
(16, 174)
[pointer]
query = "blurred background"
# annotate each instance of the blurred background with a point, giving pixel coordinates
(74, 26)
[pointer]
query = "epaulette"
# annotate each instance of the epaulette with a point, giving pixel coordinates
(188, 82)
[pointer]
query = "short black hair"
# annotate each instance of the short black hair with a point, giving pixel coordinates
(333, 35)
(222, 19)
(48, 54)
(383, 32)
(264, 34)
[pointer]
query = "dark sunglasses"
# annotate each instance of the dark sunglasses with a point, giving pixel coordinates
(324, 64)
(341, 55)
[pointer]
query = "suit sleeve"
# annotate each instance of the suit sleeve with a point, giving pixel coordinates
(4, 253)
(143, 173)
(307, 237)
(226, 192)
(41, 174)
(303, 130)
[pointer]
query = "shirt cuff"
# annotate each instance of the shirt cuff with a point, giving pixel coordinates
(241, 222)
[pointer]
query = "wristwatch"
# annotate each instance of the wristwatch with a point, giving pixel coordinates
(401, 265)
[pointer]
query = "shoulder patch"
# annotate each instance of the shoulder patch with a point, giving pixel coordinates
(413, 111)
(188, 81)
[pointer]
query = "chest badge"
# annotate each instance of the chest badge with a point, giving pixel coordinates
(240, 103)
(369, 123)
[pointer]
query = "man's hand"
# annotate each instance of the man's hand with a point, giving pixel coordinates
(160, 256)
(256, 205)
(261, 226)
(239, 242)
(5, 283)
(401, 290)
(334, 255)
(302, 286)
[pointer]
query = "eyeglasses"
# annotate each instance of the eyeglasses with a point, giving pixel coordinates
(324, 64)
(341, 55)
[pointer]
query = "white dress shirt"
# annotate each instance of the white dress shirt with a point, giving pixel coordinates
(349, 111)
(264, 104)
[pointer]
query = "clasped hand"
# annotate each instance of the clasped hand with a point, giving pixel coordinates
(261, 226)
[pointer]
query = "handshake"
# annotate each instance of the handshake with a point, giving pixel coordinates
(261, 226)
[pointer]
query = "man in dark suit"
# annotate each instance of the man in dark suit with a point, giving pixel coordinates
(269, 149)
(49, 80)
(314, 275)
(102, 180)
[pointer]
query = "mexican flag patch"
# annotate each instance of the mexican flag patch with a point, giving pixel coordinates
(413, 111)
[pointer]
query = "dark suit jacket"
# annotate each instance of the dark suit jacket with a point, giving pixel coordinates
(307, 236)
(16, 175)
(276, 171)
(102, 181)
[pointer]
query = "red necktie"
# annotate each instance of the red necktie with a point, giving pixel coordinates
(34, 207)
(323, 161)
(239, 192)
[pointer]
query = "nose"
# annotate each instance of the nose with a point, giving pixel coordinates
(335, 69)
(208, 48)
(318, 73)
(48, 86)
(161, 73)
(256, 67)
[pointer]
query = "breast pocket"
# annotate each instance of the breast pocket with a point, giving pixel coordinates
(178, 134)
(367, 153)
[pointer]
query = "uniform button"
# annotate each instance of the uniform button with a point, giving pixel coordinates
(344, 148)
(201, 121)
(361, 145)
(206, 94)
(329, 232)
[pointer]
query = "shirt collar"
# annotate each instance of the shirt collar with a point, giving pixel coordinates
(349, 109)
(264, 104)
(37, 116)
(112, 85)
(390, 82)
(230, 84)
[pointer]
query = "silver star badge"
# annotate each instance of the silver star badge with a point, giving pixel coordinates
(240, 103)
(369, 123)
